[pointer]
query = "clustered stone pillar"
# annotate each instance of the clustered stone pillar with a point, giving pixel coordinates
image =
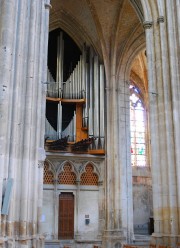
(119, 216)
(164, 104)
(23, 65)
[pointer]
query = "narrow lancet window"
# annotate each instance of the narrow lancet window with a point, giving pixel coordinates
(137, 128)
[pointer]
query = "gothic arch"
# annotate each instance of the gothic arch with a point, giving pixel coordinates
(72, 174)
(61, 167)
(138, 7)
(51, 167)
(95, 169)
(48, 173)
(128, 59)
(89, 174)
(74, 29)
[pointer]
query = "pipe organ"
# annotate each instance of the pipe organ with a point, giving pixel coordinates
(78, 102)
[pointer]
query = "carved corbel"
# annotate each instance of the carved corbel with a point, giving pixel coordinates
(47, 4)
(147, 24)
(160, 19)
(40, 164)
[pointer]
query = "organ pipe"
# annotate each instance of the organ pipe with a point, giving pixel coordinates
(59, 121)
(96, 101)
(60, 60)
(91, 87)
(84, 71)
(87, 81)
(101, 107)
(86, 107)
(50, 131)
(59, 78)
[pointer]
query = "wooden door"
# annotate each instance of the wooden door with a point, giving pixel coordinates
(66, 216)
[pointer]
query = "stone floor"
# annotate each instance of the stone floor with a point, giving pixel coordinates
(141, 241)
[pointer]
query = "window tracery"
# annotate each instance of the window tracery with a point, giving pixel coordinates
(89, 177)
(48, 176)
(137, 128)
(67, 176)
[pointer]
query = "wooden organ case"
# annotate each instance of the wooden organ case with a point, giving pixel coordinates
(75, 103)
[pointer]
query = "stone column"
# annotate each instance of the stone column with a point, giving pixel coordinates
(78, 183)
(24, 29)
(42, 103)
(118, 170)
(153, 121)
(40, 202)
(164, 115)
(7, 24)
(101, 210)
(174, 135)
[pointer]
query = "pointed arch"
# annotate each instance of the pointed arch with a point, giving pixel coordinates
(49, 173)
(61, 167)
(138, 8)
(67, 173)
(74, 29)
(89, 174)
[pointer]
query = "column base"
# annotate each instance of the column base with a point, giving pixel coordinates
(28, 242)
(166, 239)
(113, 238)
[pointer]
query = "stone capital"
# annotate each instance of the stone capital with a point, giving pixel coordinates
(56, 181)
(100, 183)
(47, 4)
(78, 182)
(108, 89)
(40, 164)
(41, 154)
(160, 19)
(147, 24)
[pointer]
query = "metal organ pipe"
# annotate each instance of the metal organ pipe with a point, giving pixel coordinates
(101, 107)
(86, 81)
(59, 79)
(84, 86)
(77, 82)
(52, 90)
(96, 101)
(49, 130)
(84, 71)
(91, 90)
(69, 130)
(79, 79)
(86, 106)
(59, 121)
(73, 86)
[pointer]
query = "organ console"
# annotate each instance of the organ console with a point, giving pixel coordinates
(76, 106)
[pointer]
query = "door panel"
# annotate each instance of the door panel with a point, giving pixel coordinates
(66, 216)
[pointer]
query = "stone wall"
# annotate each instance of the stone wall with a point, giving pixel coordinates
(142, 200)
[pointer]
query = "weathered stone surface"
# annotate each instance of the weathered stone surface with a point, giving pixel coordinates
(123, 43)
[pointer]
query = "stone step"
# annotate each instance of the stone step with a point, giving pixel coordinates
(59, 244)
(142, 237)
(142, 241)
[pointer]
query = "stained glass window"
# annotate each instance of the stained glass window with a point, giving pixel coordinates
(137, 127)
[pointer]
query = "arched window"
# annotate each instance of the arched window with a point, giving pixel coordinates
(137, 127)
